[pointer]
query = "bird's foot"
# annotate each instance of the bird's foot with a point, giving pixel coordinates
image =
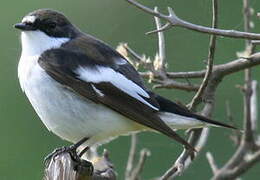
(72, 150)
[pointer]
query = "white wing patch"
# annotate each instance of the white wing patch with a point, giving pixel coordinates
(97, 90)
(106, 74)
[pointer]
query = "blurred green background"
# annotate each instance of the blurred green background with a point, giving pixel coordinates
(24, 139)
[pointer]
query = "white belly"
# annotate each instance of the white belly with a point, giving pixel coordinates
(67, 114)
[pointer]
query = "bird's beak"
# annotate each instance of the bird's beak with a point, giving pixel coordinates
(25, 26)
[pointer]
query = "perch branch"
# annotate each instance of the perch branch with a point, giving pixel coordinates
(63, 167)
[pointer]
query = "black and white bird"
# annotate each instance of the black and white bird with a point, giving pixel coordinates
(82, 88)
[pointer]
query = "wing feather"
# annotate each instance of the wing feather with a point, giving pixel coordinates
(110, 85)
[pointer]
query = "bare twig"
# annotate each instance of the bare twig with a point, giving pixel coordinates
(158, 76)
(131, 157)
(240, 168)
(163, 28)
(254, 105)
(174, 20)
(248, 77)
(212, 162)
(133, 170)
(191, 74)
(169, 84)
(135, 175)
(161, 45)
(212, 46)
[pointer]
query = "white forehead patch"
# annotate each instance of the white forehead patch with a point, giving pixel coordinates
(29, 19)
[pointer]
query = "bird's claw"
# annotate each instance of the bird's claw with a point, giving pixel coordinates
(57, 152)
(72, 150)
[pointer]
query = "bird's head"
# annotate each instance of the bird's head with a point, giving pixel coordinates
(50, 22)
(45, 29)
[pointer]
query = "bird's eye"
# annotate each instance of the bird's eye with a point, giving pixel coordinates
(52, 25)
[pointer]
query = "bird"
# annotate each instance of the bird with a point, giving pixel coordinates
(81, 88)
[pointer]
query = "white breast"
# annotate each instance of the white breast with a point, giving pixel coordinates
(65, 113)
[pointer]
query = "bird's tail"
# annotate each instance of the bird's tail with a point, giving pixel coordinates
(178, 117)
(183, 122)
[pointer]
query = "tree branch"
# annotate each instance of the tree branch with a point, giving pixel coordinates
(63, 167)
(174, 20)
(220, 70)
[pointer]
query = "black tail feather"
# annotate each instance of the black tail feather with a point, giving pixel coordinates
(169, 106)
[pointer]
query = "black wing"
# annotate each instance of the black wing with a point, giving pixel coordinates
(68, 65)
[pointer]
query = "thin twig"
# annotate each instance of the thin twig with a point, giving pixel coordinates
(212, 162)
(131, 157)
(241, 168)
(161, 44)
(157, 76)
(212, 46)
(140, 165)
(163, 28)
(248, 77)
(169, 84)
(174, 20)
(254, 105)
